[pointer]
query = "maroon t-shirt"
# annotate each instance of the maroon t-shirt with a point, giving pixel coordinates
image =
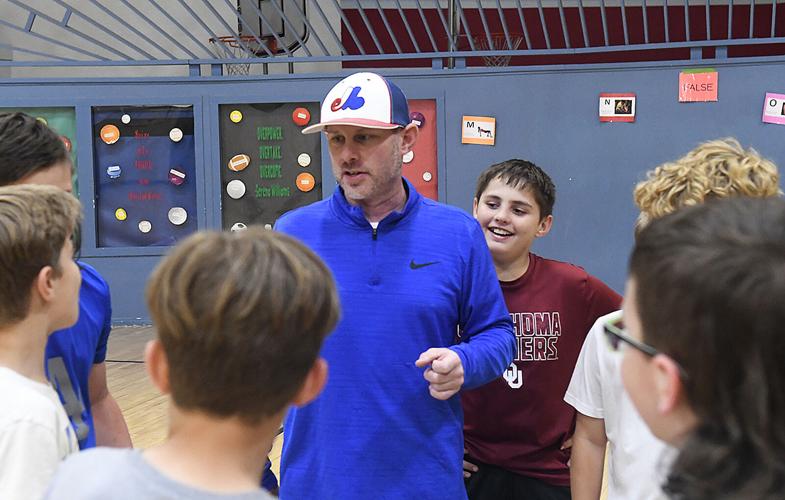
(519, 421)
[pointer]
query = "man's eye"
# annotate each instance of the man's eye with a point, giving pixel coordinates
(490, 204)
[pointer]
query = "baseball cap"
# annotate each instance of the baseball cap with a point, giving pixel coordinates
(363, 100)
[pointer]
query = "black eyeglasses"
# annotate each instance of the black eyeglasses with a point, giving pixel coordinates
(616, 334)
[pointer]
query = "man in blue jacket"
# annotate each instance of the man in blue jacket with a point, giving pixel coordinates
(423, 316)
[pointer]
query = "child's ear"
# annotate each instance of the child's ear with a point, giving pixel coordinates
(313, 384)
(157, 365)
(544, 227)
(44, 284)
(667, 380)
(474, 207)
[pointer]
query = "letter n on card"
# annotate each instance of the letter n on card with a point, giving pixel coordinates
(698, 85)
(617, 107)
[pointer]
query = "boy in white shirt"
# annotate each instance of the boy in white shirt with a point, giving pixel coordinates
(39, 293)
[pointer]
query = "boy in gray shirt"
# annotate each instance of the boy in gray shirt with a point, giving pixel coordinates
(240, 319)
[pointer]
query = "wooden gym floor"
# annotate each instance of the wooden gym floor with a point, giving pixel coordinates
(144, 408)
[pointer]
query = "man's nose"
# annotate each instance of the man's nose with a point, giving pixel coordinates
(347, 154)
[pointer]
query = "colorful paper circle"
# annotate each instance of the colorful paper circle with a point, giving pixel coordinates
(145, 226)
(110, 134)
(304, 159)
(177, 215)
(238, 163)
(42, 120)
(417, 118)
(114, 171)
(120, 214)
(239, 226)
(427, 176)
(236, 116)
(305, 182)
(176, 135)
(408, 157)
(235, 189)
(176, 177)
(126, 118)
(301, 116)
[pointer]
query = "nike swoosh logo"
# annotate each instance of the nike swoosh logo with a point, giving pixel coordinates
(413, 265)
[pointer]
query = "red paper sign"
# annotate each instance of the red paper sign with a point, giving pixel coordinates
(698, 87)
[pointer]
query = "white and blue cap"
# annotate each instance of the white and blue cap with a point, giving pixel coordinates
(363, 100)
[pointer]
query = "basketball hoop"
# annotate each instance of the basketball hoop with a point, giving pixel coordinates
(241, 47)
(498, 41)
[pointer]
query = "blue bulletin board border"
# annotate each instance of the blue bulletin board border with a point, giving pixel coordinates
(90, 239)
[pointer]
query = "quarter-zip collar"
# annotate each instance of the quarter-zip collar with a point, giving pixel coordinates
(353, 215)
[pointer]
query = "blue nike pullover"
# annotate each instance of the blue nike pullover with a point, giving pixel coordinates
(376, 432)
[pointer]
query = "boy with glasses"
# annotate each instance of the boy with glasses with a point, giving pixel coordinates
(714, 169)
(703, 309)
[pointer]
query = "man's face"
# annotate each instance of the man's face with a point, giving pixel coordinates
(58, 175)
(510, 220)
(366, 161)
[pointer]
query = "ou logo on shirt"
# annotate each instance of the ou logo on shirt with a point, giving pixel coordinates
(513, 376)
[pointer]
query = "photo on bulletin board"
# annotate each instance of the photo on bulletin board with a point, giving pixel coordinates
(268, 167)
(145, 175)
(63, 122)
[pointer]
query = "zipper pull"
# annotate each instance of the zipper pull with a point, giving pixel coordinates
(374, 233)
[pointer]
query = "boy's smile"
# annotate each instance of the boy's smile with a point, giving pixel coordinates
(510, 220)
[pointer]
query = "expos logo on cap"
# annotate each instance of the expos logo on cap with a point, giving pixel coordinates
(363, 100)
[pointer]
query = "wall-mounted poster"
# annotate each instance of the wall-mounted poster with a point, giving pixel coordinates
(420, 165)
(268, 166)
(63, 122)
(145, 175)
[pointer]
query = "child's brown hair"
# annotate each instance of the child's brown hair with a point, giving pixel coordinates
(35, 222)
(241, 317)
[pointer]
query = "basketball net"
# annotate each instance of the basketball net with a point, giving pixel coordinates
(498, 41)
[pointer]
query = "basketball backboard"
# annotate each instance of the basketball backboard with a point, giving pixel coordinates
(283, 18)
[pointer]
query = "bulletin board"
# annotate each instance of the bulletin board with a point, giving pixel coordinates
(63, 121)
(268, 166)
(144, 166)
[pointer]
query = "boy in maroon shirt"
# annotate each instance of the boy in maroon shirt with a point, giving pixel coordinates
(518, 428)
